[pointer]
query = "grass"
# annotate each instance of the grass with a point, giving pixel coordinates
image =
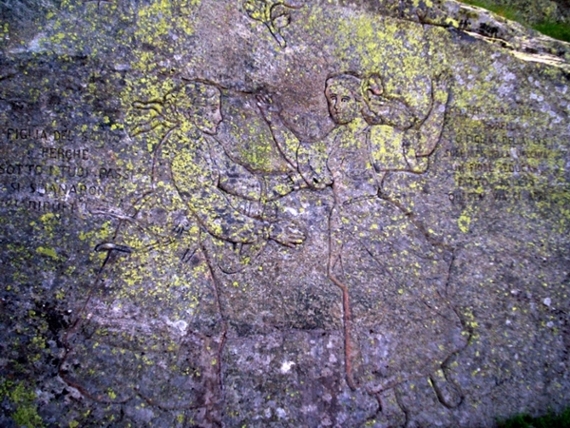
(507, 12)
(556, 30)
(549, 420)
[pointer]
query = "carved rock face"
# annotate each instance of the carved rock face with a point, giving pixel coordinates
(343, 104)
(266, 213)
(204, 106)
(209, 116)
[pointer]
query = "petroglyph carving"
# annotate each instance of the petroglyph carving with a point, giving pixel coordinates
(278, 212)
(374, 136)
(274, 14)
(225, 199)
(202, 216)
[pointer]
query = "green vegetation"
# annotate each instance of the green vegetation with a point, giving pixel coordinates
(549, 420)
(557, 30)
(507, 12)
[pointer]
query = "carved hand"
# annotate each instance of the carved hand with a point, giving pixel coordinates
(286, 233)
(182, 225)
(317, 180)
(320, 182)
(441, 87)
(266, 106)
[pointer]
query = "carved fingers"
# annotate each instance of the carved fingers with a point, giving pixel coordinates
(110, 246)
(266, 104)
(182, 225)
(286, 233)
(267, 107)
(441, 86)
(374, 84)
(319, 182)
(443, 78)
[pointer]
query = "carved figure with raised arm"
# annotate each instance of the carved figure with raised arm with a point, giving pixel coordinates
(375, 250)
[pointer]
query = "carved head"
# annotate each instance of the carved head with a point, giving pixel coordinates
(204, 106)
(344, 98)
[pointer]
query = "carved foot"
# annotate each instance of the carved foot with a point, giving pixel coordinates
(447, 392)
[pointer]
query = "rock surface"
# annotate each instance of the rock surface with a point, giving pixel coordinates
(265, 213)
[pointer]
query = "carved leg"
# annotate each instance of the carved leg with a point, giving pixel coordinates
(346, 319)
(346, 312)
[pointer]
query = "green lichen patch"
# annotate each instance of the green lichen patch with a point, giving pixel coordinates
(21, 402)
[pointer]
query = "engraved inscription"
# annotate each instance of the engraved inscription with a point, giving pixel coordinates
(58, 178)
(502, 167)
(15, 134)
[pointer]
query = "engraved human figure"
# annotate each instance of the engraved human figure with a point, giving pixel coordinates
(224, 197)
(219, 194)
(206, 178)
(375, 251)
(166, 256)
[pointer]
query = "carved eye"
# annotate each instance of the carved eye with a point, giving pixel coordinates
(250, 6)
(333, 97)
(345, 99)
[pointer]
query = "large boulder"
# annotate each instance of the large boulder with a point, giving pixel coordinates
(281, 213)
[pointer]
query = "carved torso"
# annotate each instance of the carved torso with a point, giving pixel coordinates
(350, 164)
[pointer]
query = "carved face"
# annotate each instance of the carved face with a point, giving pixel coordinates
(207, 116)
(202, 105)
(343, 105)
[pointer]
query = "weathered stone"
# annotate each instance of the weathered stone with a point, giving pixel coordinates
(267, 213)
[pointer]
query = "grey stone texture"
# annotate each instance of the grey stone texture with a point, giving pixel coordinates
(270, 213)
